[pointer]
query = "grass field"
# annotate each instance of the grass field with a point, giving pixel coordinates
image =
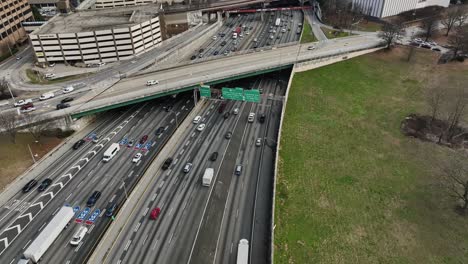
(34, 78)
(307, 34)
(331, 34)
(16, 158)
(351, 188)
(369, 26)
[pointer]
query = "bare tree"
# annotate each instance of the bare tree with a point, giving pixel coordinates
(429, 25)
(391, 33)
(39, 127)
(455, 178)
(459, 41)
(435, 97)
(450, 19)
(455, 101)
(8, 124)
(4, 89)
(461, 17)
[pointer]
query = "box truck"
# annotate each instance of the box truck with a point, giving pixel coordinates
(48, 235)
(207, 177)
(111, 151)
(243, 252)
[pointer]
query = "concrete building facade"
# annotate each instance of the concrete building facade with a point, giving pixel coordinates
(97, 36)
(386, 8)
(12, 14)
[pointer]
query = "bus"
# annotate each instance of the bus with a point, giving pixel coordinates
(278, 22)
(243, 252)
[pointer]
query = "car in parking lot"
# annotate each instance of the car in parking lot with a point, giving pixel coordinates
(137, 157)
(159, 131)
(201, 127)
(155, 213)
(44, 184)
(201, 50)
(226, 53)
(187, 167)
(258, 142)
(214, 156)
(111, 209)
(215, 53)
(193, 57)
(143, 139)
(152, 82)
(93, 198)
(29, 186)
(78, 144)
(228, 135)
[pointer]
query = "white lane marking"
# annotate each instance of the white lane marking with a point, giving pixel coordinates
(129, 175)
(170, 212)
(203, 120)
(128, 245)
(118, 262)
(188, 142)
(154, 143)
(153, 198)
(68, 196)
(207, 113)
(90, 229)
(181, 152)
(146, 211)
(90, 172)
(155, 244)
(161, 185)
(193, 134)
(177, 113)
(144, 240)
(27, 244)
(12, 260)
(102, 213)
(166, 128)
(56, 210)
(113, 197)
(159, 136)
(79, 184)
(137, 227)
(170, 239)
(175, 161)
(78, 248)
(68, 262)
(172, 121)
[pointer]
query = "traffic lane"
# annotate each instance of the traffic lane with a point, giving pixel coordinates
(126, 168)
(124, 236)
(192, 214)
(194, 190)
(204, 245)
(164, 197)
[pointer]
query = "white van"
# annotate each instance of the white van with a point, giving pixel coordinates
(78, 236)
(152, 82)
(111, 151)
(197, 119)
(46, 96)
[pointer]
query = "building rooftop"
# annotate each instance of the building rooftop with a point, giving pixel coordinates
(101, 19)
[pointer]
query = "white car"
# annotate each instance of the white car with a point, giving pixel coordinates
(258, 142)
(251, 117)
(311, 48)
(22, 102)
(137, 158)
(201, 127)
(46, 96)
(215, 37)
(49, 75)
(197, 119)
(68, 89)
(236, 111)
(152, 82)
(30, 109)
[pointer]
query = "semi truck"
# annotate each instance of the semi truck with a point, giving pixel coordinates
(48, 235)
(243, 252)
(110, 152)
(207, 177)
(236, 32)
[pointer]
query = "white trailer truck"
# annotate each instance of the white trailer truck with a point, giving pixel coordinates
(48, 235)
(207, 177)
(243, 252)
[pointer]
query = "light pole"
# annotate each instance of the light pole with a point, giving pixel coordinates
(12, 97)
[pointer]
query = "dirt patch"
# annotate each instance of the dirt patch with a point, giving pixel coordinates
(16, 158)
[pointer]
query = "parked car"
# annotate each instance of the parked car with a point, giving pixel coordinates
(78, 144)
(44, 184)
(93, 198)
(193, 57)
(137, 158)
(214, 156)
(29, 186)
(26, 106)
(167, 163)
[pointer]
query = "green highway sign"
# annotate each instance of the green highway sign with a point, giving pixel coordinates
(205, 91)
(252, 96)
(233, 94)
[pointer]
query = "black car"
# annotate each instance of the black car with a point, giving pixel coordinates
(200, 50)
(216, 53)
(168, 108)
(44, 184)
(78, 144)
(222, 35)
(66, 100)
(29, 186)
(193, 57)
(111, 209)
(167, 163)
(214, 156)
(93, 199)
(226, 115)
(262, 118)
(223, 43)
(62, 106)
(159, 131)
(228, 135)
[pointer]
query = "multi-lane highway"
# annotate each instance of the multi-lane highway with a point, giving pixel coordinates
(227, 207)
(114, 179)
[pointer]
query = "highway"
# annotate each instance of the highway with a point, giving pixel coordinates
(113, 179)
(184, 202)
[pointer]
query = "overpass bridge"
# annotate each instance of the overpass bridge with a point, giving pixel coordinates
(188, 76)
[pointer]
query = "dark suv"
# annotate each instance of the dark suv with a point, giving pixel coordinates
(78, 144)
(44, 184)
(167, 163)
(29, 186)
(62, 106)
(159, 131)
(214, 156)
(262, 118)
(93, 199)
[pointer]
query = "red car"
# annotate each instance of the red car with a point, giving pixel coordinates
(221, 107)
(155, 213)
(26, 106)
(143, 139)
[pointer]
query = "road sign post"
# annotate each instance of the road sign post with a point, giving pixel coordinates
(233, 93)
(205, 91)
(252, 96)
